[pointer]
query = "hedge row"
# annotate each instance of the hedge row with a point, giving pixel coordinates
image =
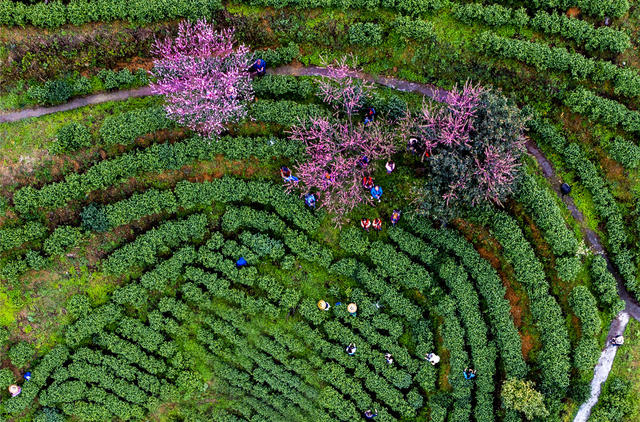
(126, 127)
(600, 9)
(15, 237)
(490, 287)
(144, 250)
(77, 12)
(605, 285)
(553, 359)
(625, 81)
(541, 205)
(584, 305)
(605, 204)
(624, 151)
(582, 32)
(602, 110)
(158, 157)
(409, 7)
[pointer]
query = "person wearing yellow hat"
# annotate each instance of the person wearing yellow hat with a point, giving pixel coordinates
(323, 306)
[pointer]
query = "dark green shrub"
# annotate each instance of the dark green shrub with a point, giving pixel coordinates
(48, 414)
(365, 33)
(94, 217)
(71, 137)
(21, 354)
(82, 86)
(58, 91)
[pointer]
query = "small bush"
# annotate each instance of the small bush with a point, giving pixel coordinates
(82, 86)
(366, 34)
(6, 378)
(568, 268)
(78, 306)
(94, 218)
(71, 137)
(35, 260)
(417, 29)
(62, 238)
(21, 354)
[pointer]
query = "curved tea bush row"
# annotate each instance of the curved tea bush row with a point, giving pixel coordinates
(125, 128)
(605, 205)
(540, 204)
(582, 32)
(625, 81)
(483, 353)
(553, 359)
(144, 249)
(78, 12)
(490, 287)
(602, 110)
(587, 350)
(624, 151)
(453, 341)
(614, 8)
(155, 158)
(605, 285)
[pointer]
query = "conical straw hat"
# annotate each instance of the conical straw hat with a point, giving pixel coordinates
(13, 389)
(322, 304)
(352, 307)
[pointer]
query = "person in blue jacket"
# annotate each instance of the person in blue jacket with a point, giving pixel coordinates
(241, 262)
(376, 192)
(310, 200)
(259, 66)
(469, 373)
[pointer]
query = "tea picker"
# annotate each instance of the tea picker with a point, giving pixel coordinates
(351, 349)
(617, 341)
(310, 200)
(432, 358)
(367, 182)
(323, 306)
(259, 67)
(377, 224)
(352, 308)
(469, 373)
(365, 223)
(241, 262)
(376, 192)
(395, 217)
(370, 415)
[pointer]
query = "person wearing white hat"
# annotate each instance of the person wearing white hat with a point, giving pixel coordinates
(352, 308)
(14, 390)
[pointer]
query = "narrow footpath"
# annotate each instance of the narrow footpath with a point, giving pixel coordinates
(618, 325)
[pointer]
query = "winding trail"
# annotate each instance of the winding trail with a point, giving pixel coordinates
(398, 84)
(75, 103)
(618, 325)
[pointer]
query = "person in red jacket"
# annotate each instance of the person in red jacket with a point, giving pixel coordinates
(377, 224)
(367, 182)
(365, 223)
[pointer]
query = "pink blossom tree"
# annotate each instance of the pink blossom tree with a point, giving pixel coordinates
(335, 146)
(472, 146)
(202, 74)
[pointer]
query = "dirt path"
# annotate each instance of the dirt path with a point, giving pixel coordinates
(75, 103)
(618, 325)
(401, 85)
(602, 369)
